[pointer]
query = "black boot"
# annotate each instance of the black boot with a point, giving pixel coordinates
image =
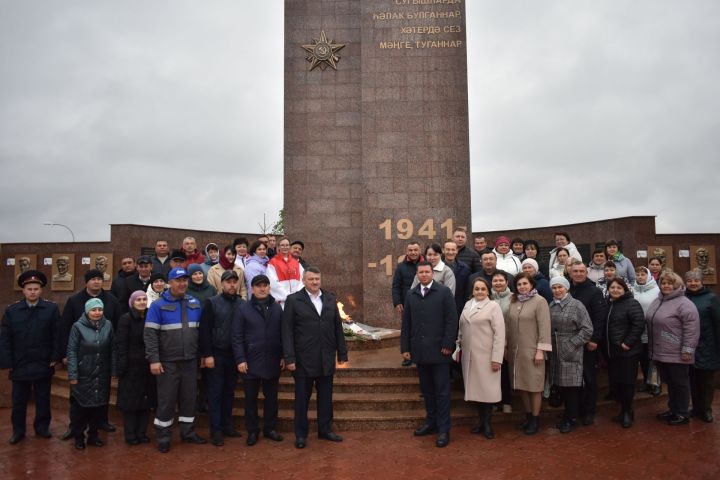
(480, 426)
(533, 426)
(163, 438)
(526, 422)
(487, 425)
(628, 419)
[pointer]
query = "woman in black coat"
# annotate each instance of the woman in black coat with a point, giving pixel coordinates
(707, 353)
(625, 325)
(137, 392)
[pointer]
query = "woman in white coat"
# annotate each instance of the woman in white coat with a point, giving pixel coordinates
(482, 342)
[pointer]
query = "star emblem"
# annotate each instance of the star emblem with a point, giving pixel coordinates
(322, 53)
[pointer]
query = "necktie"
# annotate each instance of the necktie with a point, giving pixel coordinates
(424, 291)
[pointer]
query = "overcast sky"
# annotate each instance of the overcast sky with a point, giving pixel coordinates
(170, 113)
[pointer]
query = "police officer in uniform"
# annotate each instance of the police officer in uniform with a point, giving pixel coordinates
(29, 347)
(171, 346)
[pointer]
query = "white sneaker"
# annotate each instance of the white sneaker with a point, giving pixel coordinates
(507, 408)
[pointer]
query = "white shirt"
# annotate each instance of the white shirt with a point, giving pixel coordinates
(316, 300)
(425, 288)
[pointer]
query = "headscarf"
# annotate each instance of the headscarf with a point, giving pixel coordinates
(134, 296)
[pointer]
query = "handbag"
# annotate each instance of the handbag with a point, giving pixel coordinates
(457, 354)
(653, 378)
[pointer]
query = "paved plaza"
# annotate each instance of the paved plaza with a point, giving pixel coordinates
(648, 450)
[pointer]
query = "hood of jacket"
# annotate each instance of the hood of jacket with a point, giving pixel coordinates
(503, 256)
(649, 285)
(703, 291)
(506, 293)
(84, 320)
(255, 259)
(678, 292)
(622, 297)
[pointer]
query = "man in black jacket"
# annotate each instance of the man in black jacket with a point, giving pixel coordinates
(403, 280)
(584, 290)
(161, 260)
(74, 309)
(466, 255)
(312, 336)
(216, 355)
(429, 331)
(257, 345)
(127, 268)
(140, 280)
(29, 348)
(488, 270)
(461, 272)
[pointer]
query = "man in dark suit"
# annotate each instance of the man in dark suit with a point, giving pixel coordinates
(429, 331)
(584, 290)
(312, 335)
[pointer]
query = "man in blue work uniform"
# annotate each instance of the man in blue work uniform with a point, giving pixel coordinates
(171, 347)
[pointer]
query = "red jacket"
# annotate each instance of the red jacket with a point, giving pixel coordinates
(195, 257)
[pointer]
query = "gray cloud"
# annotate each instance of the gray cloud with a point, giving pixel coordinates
(590, 110)
(170, 113)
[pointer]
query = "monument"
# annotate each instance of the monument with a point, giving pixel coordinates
(376, 138)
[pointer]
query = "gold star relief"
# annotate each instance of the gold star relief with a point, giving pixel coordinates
(322, 52)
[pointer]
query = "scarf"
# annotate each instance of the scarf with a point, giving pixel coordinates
(618, 257)
(225, 263)
(524, 297)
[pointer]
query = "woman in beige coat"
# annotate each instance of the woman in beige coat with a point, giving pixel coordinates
(227, 262)
(482, 341)
(528, 338)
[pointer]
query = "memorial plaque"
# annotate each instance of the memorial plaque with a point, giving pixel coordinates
(376, 147)
(23, 263)
(63, 272)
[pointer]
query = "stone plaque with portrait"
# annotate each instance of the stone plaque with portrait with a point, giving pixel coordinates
(703, 257)
(23, 262)
(664, 252)
(104, 263)
(63, 272)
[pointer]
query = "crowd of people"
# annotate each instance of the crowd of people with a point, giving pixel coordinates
(250, 311)
(500, 317)
(517, 324)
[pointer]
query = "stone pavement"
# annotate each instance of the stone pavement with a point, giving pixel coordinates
(648, 450)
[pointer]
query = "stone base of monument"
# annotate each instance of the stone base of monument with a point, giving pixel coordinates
(376, 338)
(372, 391)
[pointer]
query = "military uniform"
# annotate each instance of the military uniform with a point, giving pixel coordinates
(29, 347)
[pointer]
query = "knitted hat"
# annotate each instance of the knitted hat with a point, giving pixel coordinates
(134, 296)
(195, 267)
(93, 273)
(530, 261)
(94, 303)
(560, 281)
(157, 276)
(502, 239)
